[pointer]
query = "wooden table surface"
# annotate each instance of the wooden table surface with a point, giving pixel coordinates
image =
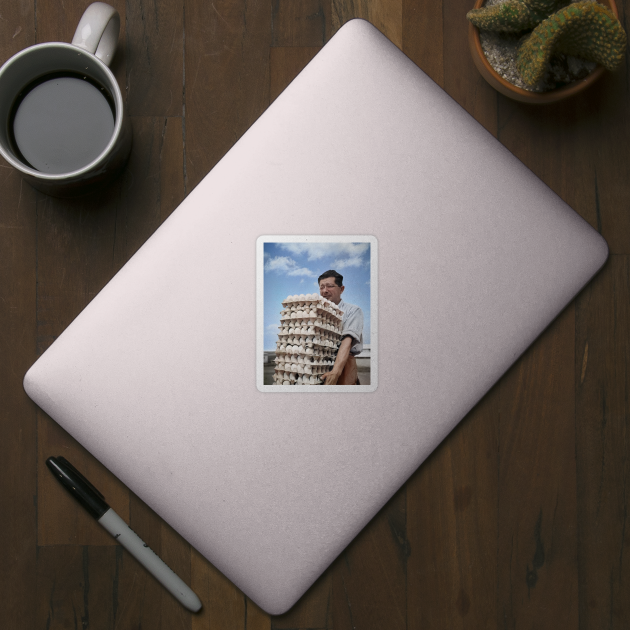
(518, 520)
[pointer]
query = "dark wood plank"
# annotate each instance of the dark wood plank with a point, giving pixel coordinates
(300, 22)
(17, 28)
(226, 78)
(603, 442)
(18, 416)
(461, 78)
(608, 136)
(452, 527)
(369, 577)
(422, 36)
(76, 587)
(154, 57)
(537, 510)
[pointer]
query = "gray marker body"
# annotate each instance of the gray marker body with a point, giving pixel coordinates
(149, 559)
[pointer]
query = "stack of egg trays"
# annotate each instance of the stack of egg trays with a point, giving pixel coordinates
(308, 339)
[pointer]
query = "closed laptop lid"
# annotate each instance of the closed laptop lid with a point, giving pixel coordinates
(472, 256)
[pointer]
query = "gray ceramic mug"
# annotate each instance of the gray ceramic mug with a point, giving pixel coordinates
(63, 162)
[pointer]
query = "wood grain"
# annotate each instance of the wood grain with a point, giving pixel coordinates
(422, 36)
(537, 511)
(517, 520)
(609, 133)
(602, 380)
(226, 78)
(461, 79)
(18, 416)
(154, 60)
(452, 516)
(76, 587)
(300, 22)
(369, 577)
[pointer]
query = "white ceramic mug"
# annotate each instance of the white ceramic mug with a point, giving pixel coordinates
(86, 58)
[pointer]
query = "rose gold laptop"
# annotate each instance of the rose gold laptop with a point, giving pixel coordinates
(362, 165)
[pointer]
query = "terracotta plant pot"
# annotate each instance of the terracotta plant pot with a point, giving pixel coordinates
(519, 94)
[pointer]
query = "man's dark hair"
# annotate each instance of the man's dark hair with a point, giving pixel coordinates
(331, 273)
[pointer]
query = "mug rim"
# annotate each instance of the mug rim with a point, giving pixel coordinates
(118, 122)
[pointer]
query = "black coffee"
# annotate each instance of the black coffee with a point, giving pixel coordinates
(61, 123)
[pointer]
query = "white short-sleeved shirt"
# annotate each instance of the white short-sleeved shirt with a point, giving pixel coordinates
(352, 325)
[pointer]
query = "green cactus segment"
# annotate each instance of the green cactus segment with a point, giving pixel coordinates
(584, 29)
(513, 16)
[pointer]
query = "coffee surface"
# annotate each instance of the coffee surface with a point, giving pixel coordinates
(62, 124)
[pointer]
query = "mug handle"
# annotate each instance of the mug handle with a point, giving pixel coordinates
(98, 30)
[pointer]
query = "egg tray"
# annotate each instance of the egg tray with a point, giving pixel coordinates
(293, 372)
(296, 365)
(310, 331)
(307, 322)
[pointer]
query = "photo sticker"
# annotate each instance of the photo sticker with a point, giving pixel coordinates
(316, 314)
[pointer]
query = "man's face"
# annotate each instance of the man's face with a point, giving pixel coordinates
(329, 290)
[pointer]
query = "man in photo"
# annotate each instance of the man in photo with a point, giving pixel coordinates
(344, 371)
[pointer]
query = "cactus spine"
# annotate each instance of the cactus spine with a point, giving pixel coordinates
(513, 16)
(583, 29)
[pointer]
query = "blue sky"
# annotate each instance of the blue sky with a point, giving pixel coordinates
(293, 268)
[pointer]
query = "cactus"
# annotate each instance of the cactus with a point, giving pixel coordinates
(584, 29)
(513, 16)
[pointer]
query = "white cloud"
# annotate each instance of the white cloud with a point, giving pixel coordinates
(354, 261)
(317, 251)
(302, 271)
(279, 263)
(288, 266)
